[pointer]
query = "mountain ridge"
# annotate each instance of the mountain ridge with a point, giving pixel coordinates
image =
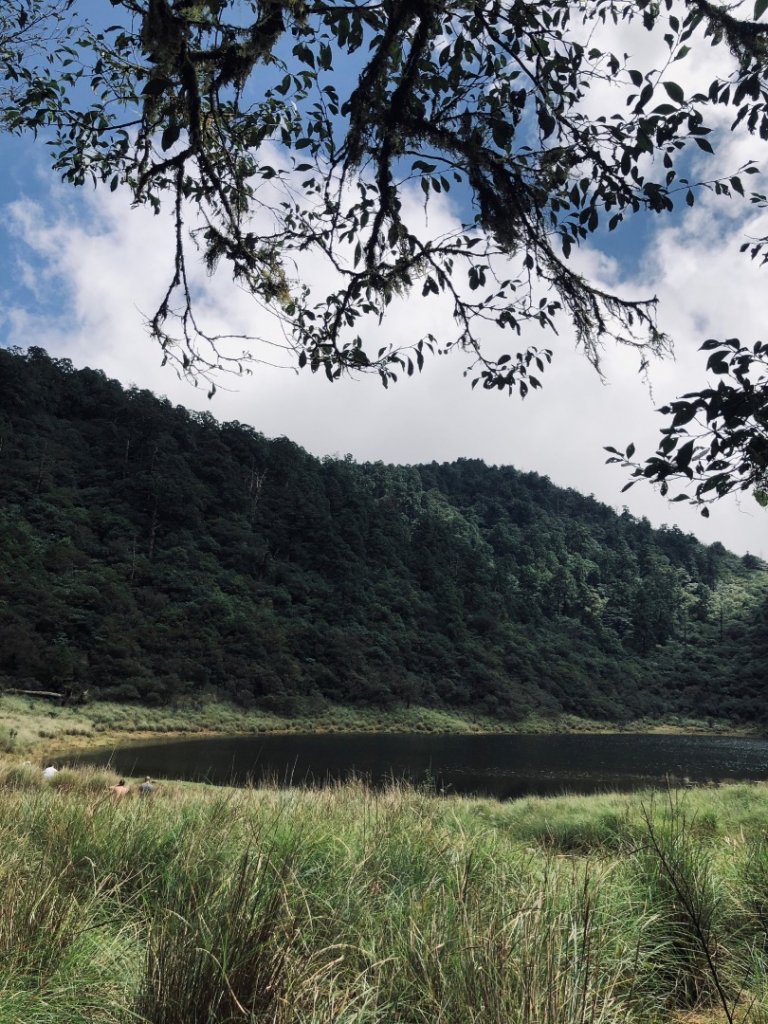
(151, 553)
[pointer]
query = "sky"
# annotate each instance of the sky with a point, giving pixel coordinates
(79, 269)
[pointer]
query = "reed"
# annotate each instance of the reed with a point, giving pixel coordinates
(270, 906)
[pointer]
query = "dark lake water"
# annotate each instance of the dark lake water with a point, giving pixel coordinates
(500, 766)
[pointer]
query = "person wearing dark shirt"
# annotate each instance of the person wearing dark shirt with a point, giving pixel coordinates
(147, 788)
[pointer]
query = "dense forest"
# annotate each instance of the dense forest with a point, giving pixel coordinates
(150, 553)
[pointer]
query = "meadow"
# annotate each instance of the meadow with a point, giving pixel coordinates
(31, 724)
(201, 905)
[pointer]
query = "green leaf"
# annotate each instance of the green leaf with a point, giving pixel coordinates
(684, 455)
(760, 8)
(547, 122)
(674, 91)
(717, 364)
(645, 95)
(170, 136)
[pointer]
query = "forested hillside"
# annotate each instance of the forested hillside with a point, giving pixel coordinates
(148, 552)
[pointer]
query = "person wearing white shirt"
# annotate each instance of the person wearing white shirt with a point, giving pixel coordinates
(50, 771)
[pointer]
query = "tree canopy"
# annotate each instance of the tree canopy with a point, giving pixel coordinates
(151, 553)
(277, 130)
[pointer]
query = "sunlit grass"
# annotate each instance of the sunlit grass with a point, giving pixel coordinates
(29, 724)
(215, 906)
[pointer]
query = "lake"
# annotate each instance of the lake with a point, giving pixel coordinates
(504, 767)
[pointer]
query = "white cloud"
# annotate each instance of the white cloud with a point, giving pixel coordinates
(113, 264)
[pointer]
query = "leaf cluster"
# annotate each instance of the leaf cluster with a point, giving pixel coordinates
(717, 438)
(283, 131)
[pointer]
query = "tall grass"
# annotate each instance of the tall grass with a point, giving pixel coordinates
(204, 906)
(28, 723)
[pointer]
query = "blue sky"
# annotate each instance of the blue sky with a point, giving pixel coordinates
(80, 267)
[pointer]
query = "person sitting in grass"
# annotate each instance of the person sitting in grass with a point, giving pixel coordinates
(147, 788)
(120, 789)
(50, 771)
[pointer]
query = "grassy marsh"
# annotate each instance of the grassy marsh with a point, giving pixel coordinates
(345, 905)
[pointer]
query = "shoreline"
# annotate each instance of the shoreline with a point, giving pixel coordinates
(32, 726)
